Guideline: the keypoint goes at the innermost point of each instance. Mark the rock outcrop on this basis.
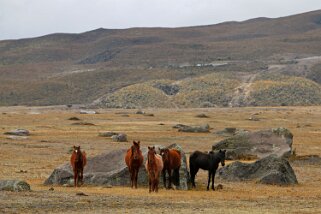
(255, 145)
(195, 129)
(269, 170)
(14, 185)
(109, 169)
(18, 132)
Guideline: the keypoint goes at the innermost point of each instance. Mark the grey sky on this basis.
(30, 18)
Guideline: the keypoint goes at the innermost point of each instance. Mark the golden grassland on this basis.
(52, 135)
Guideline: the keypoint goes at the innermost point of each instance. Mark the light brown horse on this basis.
(172, 161)
(134, 159)
(78, 161)
(154, 165)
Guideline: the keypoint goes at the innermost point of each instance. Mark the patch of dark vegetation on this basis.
(73, 118)
(101, 57)
(315, 73)
(168, 89)
(83, 124)
(202, 115)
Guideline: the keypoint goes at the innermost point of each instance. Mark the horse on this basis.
(78, 161)
(134, 159)
(208, 162)
(154, 165)
(172, 161)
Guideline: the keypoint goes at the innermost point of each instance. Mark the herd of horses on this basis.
(168, 160)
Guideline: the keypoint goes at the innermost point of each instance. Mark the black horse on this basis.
(205, 161)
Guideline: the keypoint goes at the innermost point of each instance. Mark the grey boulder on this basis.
(255, 145)
(109, 169)
(14, 185)
(269, 170)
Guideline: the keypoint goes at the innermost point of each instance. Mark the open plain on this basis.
(52, 135)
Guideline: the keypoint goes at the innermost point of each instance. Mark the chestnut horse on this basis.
(172, 161)
(134, 159)
(154, 165)
(78, 162)
(208, 162)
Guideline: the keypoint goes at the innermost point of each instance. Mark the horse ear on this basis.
(149, 148)
(153, 147)
(138, 142)
(224, 150)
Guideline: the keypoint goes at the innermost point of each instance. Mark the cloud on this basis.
(30, 18)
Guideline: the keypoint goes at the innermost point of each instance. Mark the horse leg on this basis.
(75, 178)
(176, 173)
(193, 174)
(150, 184)
(164, 177)
(213, 175)
(169, 178)
(136, 177)
(156, 184)
(132, 178)
(209, 179)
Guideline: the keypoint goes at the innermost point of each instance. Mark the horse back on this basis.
(73, 159)
(159, 162)
(175, 158)
(127, 156)
(200, 160)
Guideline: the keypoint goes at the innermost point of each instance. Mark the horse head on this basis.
(165, 154)
(151, 154)
(77, 152)
(135, 149)
(221, 154)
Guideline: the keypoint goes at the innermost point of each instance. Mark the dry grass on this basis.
(52, 135)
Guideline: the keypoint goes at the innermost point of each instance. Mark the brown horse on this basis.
(78, 162)
(134, 159)
(154, 165)
(172, 161)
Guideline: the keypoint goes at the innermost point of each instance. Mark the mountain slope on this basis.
(80, 68)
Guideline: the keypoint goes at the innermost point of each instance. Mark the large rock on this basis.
(119, 137)
(269, 170)
(255, 145)
(195, 129)
(110, 169)
(18, 132)
(14, 185)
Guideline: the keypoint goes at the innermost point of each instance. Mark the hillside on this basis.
(108, 64)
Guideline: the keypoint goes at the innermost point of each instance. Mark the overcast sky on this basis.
(31, 18)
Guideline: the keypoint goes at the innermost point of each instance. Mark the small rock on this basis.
(140, 112)
(218, 187)
(108, 186)
(149, 114)
(107, 134)
(202, 116)
(195, 129)
(51, 189)
(254, 119)
(119, 138)
(14, 185)
(87, 112)
(81, 194)
(18, 132)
